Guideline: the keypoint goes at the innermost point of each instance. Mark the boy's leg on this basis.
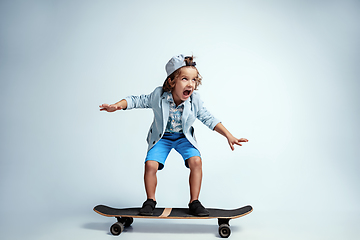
(154, 161)
(150, 179)
(195, 177)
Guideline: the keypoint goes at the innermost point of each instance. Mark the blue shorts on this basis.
(162, 148)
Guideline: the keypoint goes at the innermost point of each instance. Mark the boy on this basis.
(175, 107)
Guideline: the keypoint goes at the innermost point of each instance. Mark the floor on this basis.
(257, 225)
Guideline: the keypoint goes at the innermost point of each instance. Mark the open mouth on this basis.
(187, 93)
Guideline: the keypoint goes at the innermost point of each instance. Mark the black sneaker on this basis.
(148, 208)
(197, 209)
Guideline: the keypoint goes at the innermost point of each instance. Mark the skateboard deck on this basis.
(125, 216)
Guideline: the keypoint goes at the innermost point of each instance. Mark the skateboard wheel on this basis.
(116, 228)
(224, 230)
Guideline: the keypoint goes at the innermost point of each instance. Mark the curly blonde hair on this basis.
(169, 85)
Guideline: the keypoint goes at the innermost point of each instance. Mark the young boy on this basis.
(175, 106)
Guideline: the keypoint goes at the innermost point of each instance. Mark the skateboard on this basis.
(125, 216)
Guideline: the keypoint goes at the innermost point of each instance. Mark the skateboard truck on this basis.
(121, 223)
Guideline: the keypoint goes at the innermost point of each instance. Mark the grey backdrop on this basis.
(283, 74)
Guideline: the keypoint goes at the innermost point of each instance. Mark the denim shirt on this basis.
(156, 100)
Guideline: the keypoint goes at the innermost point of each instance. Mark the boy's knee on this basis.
(151, 166)
(194, 162)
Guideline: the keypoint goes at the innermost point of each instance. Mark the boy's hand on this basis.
(109, 108)
(233, 140)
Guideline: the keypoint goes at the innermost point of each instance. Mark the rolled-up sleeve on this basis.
(142, 101)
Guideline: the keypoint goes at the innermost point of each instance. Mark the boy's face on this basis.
(184, 84)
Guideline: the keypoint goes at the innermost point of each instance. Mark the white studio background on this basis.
(283, 74)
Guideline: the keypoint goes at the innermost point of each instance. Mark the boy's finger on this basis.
(238, 142)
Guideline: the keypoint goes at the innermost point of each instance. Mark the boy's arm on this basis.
(113, 107)
(131, 102)
(231, 139)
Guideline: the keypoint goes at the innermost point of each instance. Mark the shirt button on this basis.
(160, 135)
(153, 142)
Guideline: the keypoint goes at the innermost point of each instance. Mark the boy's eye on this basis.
(194, 80)
(184, 79)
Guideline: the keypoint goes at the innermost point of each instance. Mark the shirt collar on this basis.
(170, 99)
